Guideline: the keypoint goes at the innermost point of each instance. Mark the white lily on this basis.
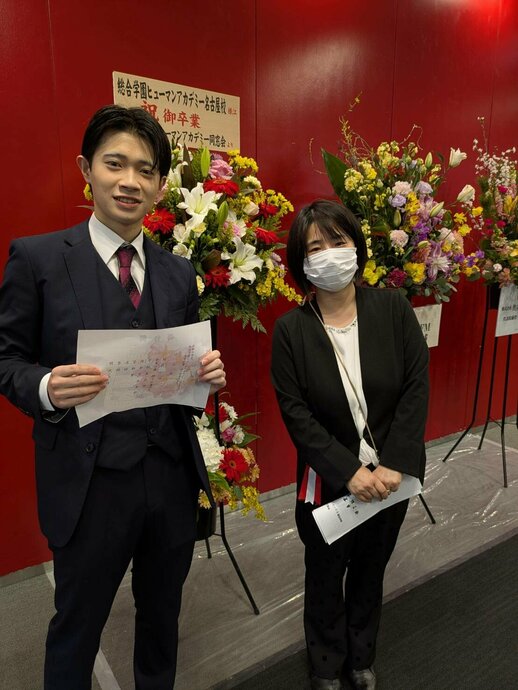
(242, 262)
(197, 203)
(182, 250)
(200, 285)
(251, 209)
(466, 194)
(238, 226)
(456, 157)
(175, 176)
(180, 233)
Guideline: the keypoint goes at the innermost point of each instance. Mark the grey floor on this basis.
(221, 639)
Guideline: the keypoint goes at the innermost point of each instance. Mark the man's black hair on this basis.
(137, 121)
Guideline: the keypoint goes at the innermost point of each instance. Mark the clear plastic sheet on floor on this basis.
(220, 636)
(219, 633)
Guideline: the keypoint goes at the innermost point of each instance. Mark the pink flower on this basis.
(504, 277)
(228, 434)
(398, 238)
(220, 168)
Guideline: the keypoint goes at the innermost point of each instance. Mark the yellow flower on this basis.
(352, 179)
(476, 211)
(368, 171)
(241, 162)
(279, 200)
(459, 218)
(379, 201)
(469, 270)
(415, 271)
(250, 501)
(87, 192)
(274, 284)
(463, 230)
(200, 284)
(373, 273)
(412, 203)
(509, 204)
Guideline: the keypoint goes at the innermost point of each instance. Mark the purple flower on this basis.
(423, 188)
(397, 200)
(426, 206)
(421, 231)
(436, 261)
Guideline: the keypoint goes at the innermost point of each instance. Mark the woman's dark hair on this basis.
(333, 221)
(115, 118)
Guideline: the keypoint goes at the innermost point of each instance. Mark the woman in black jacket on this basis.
(350, 370)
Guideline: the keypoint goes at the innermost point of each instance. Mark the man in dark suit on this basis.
(124, 487)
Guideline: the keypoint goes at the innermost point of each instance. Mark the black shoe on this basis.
(326, 683)
(363, 680)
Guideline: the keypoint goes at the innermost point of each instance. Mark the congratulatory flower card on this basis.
(145, 368)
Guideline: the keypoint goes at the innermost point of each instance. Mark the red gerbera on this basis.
(219, 276)
(221, 185)
(266, 210)
(161, 220)
(233, 464)
(266, 236)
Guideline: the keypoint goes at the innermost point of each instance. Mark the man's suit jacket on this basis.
(312, 399)
(50, 292)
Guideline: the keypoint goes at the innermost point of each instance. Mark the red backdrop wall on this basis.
(296, 66)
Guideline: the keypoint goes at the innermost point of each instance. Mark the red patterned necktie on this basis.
(125, 255)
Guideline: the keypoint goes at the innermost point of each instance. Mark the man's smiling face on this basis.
(123, 181)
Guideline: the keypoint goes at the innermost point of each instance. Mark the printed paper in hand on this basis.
(341, 516)
(145, 368)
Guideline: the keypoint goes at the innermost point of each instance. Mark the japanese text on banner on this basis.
(190, 116)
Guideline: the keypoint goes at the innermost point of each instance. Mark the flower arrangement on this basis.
(216, 213)
(497, 179)
(415, 242)
(231, 464)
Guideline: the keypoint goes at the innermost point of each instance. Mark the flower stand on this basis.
(491, 304)
(206, 528)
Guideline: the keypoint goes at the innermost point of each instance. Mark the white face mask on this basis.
(331, 269)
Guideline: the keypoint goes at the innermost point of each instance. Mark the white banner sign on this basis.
(194, 117)
(507, 316)
(429, 318)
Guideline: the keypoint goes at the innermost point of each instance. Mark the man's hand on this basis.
(212, 371)
(366, 485)
(74, 384)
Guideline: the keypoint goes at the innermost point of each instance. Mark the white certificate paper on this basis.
(145, 368)
(341, 516)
